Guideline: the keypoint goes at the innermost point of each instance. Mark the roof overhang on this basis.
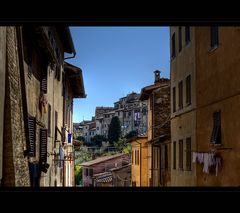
(74, 74)
(66, 39)
(146, 91)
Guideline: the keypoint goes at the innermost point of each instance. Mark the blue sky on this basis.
(116, 61)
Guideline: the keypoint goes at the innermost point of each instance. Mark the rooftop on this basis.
(101, 159)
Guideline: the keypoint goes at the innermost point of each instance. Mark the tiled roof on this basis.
(101, 159)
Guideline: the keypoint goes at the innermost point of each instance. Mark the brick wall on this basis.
(15, 166)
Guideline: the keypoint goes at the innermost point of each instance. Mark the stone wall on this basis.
(15, 166)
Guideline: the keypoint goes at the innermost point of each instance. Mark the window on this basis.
(32, 136)
(180, 95)
(188, 154)
(180, 163)
(187, 35)
(174, 99)
(216, 133)
(188, 90)
(173, 46)
(43, 145)
(180, 38)
(214, 37)
(49, 120)
(86, 171)
(174, 155)
(91, 172)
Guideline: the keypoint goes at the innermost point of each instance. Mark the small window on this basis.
(180, 163)
(174, 99)
(180, 95)
(216, 132)
(173, 46)
(188, 90)
(91, 172)
(214, 37)
(180, 38)
(86, 171)
(187, 35)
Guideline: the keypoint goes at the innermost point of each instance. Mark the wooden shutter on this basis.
(44, 84)
(32, 136)
(43, 145)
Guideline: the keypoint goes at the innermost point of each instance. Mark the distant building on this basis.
(101, 165)
(159, 149)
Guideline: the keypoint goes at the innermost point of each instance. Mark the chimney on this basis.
(157, 76)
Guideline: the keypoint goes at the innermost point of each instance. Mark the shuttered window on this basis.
(43, 145)
(216, 132)
(44, 84)
(32, 136)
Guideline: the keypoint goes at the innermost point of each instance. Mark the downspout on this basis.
(64, 112)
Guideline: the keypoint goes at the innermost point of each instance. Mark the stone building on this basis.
(34, 109)
(159, 155)
(206, 60)
(132, 113)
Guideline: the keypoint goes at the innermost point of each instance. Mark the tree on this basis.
(98, 139)
(114, 130)
(131, 134)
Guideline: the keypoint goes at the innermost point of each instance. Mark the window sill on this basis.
(213, 48)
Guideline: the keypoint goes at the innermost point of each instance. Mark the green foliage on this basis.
(123, 146)
(114, 130)
(97, 140)
(127, 149)
(80, 138)
(131, 134)
(78, 174)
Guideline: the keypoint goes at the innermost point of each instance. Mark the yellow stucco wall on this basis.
(139, 172)
(218, 88)
(183, 122)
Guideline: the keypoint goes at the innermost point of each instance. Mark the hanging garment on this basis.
(218, 163)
